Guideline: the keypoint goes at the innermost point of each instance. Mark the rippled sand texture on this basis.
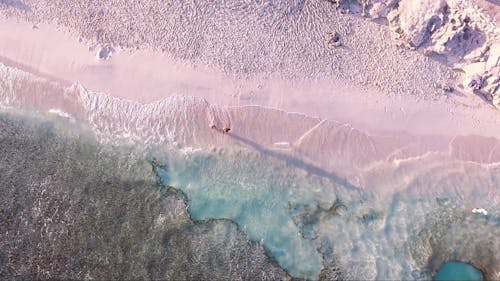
(291, 37)
(353, 161)
(252, 37)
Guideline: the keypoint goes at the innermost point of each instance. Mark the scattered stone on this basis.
(445, 87)
(105, 53)
(333, 38)
(475, 83)
(448, 88)
(337, 3)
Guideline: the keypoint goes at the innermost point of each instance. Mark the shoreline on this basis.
(125, 73)
(185, 121)
(302, 141)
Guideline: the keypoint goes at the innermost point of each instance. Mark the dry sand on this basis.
(367, 115)
(363, 109)
(148, 76)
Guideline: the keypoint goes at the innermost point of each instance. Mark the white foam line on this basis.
(60, 113)
(299, 141)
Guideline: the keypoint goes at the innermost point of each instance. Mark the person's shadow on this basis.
(298, 163)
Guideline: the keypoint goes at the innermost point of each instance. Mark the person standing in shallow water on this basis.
(224, 130)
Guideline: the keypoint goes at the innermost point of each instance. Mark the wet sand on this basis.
(148, 76)
(369, 123)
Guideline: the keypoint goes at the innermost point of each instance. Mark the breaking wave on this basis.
(324, 199)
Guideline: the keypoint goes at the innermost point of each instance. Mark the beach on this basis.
(393, 120)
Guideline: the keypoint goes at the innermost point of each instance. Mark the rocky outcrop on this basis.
(457, 33)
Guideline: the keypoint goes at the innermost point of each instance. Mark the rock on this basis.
(494, 56)
(496, 101)
(333, 40)
(417, 19)
(378, 10)
(491, 86)
(472, 69)
(475, 83)
(485, 83)
(105, 53)
(480, 211)
(456, 31)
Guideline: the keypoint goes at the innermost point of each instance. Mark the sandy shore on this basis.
(147, 76)
(368, 118)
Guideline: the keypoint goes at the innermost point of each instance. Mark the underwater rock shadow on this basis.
(100, 215)
(298, 163)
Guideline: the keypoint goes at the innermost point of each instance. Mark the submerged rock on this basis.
(443, 239)
(74, 209)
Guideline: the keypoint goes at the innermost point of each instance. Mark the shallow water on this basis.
(72, 208)
(405, 221)
(261, 195)
(306, 221)
(459, 271)
(86, 209)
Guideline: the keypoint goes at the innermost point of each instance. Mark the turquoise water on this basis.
(309, 223)
(459, 271)
(314, 223)
(264, 197)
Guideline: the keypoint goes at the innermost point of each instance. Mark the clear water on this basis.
(89, 211)
(309, 223)
(259, 197)
(459, 271)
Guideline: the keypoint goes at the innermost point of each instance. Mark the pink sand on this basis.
(326, 123)
(147, 76)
